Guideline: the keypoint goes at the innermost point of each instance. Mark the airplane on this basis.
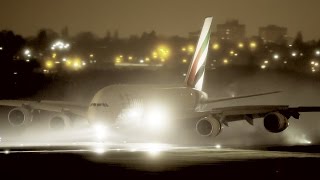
(144, 106)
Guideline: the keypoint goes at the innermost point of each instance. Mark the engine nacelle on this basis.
(19, 116)
(208, 126)
(59, 122)
(275, 122)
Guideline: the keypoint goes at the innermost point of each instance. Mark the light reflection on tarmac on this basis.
(199, 153)
(153, 160)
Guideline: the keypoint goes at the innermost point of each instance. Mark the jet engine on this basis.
(208, 126)
(19, 116)
(275, 122)
(59, 122)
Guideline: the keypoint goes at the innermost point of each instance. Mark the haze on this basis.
(165, 17)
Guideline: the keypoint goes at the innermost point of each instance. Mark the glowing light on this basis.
(91, 55)
(99, 150)
(266, 62)
(27, 60)
(54, 55)
(49, 64)
(141, 61)
(155, 149)
(276, 56)
(253, 45)
(7, 152)
(130, 57)
(154, 55)
(27, 52)
(133, 150)
(215, 46)
(218, 146)
(134, 113)
(191, 48)
(68, 63)
(76, 64)
(317, 52)
(184, 61)
(312, 62)
(60, 45)
(285, 62)
(316, 64)
(118, 60)
(293, 54)
(147, 59)
(240, 45)
(1, 48)
(100, 131)
(64, 59)
(225, 61)
(163, 51)
(263, 66)
(231, 52)
(183, 49)
(156, 117)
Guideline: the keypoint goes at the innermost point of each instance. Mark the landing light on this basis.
(156, 117)
(135, 113)
(100, 131)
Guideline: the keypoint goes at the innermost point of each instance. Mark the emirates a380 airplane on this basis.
(138, 106)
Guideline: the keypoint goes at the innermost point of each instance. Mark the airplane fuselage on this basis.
(117, 104)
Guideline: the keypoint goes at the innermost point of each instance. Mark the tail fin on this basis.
(195, 76)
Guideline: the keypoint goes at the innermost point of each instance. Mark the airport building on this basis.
(231, 30)
(273, 34)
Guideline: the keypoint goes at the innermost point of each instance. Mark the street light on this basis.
(253, 45)
(215, 46)
(240, 45)
(60, 45)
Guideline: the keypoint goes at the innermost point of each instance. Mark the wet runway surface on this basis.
(158, 161)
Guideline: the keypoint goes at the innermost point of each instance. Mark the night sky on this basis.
(166, 17)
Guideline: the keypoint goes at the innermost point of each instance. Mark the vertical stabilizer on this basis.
(195, 75)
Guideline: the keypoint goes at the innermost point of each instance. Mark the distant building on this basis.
(231, 31)
(273, 33)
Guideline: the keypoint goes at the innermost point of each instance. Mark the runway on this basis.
(146, 160)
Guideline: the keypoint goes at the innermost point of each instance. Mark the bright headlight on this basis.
(100, 131)
(156, 117)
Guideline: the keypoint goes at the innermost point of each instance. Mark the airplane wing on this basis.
(237, 97)
(249, 113)
(53, 106)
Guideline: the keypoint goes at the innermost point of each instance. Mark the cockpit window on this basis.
(99, 104)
